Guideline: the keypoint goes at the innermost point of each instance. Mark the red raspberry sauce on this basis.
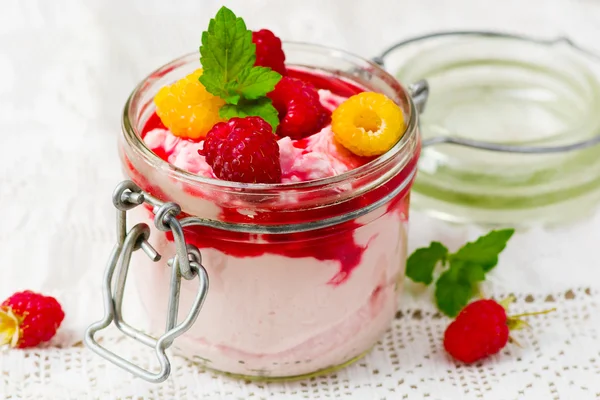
(335, 243)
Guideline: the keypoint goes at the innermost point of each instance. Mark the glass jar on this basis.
(304, 277)
(497, 103)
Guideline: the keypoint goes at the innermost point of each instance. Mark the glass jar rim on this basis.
(134, 139)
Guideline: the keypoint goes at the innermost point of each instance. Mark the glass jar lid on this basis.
(510, 128)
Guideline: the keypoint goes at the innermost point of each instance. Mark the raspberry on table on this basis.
(479, 330)
(482, 329)
(299, 106)
(268, 51)
(28, 319)
(243, 150)
(187, 109)
(368, 124)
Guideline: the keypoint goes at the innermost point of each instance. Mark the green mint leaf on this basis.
(468, 272)
(456, 286)
(485, 250)
(227, 55)
(260, 108)
(231, 94)
(210, 80)
(452, 293)
(256, 82)
(252, 84)
(422, 262)
(226, 50)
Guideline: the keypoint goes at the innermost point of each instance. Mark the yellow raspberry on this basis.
(368, 124)
(187, 108)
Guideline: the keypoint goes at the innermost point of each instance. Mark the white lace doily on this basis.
(66, 68)
(559, 359)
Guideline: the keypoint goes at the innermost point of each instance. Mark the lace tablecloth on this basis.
(66, 68)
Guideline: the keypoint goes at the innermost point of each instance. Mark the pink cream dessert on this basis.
(307, 298)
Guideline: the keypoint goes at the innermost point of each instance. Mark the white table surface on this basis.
(66, 68)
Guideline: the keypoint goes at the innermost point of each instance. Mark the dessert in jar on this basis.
(295, 161)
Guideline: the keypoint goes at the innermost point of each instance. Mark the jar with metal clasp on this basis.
(261, 281)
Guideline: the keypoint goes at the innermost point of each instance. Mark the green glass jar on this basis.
(514, 105)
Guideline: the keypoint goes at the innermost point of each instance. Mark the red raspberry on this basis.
(300, 111)
(482, 329)
(28, 319)
(243, 150)
(268, 51)
(478, 331)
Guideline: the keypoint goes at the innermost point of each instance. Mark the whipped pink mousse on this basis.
(315, 157)
(276, 308)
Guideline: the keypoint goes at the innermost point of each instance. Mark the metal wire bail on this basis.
(187, 263)
(419, 92)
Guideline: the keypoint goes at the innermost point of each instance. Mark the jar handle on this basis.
(187, 263)
(419, 92)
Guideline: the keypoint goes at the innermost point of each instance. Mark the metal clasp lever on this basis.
(186, 263)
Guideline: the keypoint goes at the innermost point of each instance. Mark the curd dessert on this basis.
(266, 135)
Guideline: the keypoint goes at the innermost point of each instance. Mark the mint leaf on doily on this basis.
(461, 272)
(456, 286)
(421, 263)
(485, 250)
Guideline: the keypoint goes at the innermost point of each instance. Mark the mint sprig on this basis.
(461, 272)
(227, 55)
(485, 250)
(422, 262)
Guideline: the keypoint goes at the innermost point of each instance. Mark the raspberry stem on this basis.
(506, 302)
(532, 313)
(515, 322)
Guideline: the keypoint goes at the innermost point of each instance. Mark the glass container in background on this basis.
(520, 95)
